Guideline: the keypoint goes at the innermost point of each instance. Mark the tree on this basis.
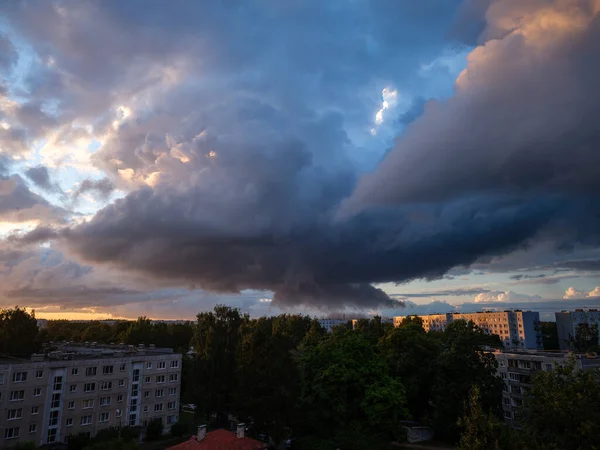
(25, 445)
(461, 364)
(563, 409)
(18, 332)
(346, 385)
(586, 338)
(154, 430)
(115, 444)
(140, 332)
(549, 335)
(483, 430)
(178, 429)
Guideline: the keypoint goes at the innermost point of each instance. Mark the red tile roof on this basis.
(219, 440)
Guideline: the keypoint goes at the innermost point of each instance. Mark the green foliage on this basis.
(154, 430)
(483, 430)
(586, 338)
(18, 332)
(346, 383)
(549, 335)
(563, 410)
(78, 441)
(462, 364)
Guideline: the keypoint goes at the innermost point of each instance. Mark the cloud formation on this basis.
(242, 145)
(572, 293)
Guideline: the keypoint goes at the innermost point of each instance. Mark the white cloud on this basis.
(507, 296)
(572, 293)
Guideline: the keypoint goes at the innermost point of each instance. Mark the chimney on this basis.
(241, 427)
(201, 432)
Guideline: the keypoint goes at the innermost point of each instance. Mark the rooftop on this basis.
(219, 440)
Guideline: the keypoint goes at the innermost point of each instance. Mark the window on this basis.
(173, 378)
(53, 418)
(17, 395)
(121, 383)
(52, 435)
(39, 373)
(145, 408)
(122, 368)
(147, 380)
(90, 371)
(171, 419)
(506, 401)
(158, 407)
(86, 420)
(14, 414)
(133, 405)
(73, 388)
(136, 375)
(32, 428)
(75, 371)
(148, 365)
(171, 405)
(119, 398)
(107, 370)
(162, 365)
(174, 364)
(19, 377)
(89, 387)
(507, 415)
(35, 410)
(514, 376)
(106, 385)
(159, 393)
(134, 390)
(69, 422)
(160, 379)
(104, 401)
(104, 417)
(1, 378)
(57, 383)
(548, 366)
(55, 403)
(172, 391)
(37, 392)
(71, 405)
(89, 403)
(11, 433)
(146, 394)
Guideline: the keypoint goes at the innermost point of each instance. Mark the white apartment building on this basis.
(83, 389)
(516, 329)
(517, 368)
(329, 324)
(567, 323)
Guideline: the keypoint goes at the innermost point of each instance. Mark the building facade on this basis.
(567, 323)
(516, 370)
(516, 329)
(83, 389)
(329, 324)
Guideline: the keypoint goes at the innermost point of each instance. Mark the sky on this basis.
(342, 157)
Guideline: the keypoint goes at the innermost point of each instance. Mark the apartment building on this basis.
(516, 329)
(517, 368)
(83, 389)
(329, 324)
(567, 323)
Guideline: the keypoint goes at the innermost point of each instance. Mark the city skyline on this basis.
(386, 157)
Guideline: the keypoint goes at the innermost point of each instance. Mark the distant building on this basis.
(567, 323)
(84, 389)
(517, 368)
(516, 329)
(329, 324)
(219, 440)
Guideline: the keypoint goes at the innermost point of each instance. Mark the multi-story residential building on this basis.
(517, 368)
(567, 323)
(329, 324)
(516, 329)
(83, 389)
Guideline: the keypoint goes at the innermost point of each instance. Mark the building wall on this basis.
(108, 403)
(567, 323)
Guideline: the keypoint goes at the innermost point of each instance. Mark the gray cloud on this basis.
(444, 293)
(103, 188)
(19, 204)
(41, 177)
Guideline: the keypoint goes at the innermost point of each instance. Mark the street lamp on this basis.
(119, 414)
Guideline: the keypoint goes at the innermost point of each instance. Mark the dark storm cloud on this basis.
(103, 188)
(41, 177)
(19, 204)
(444, 293)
